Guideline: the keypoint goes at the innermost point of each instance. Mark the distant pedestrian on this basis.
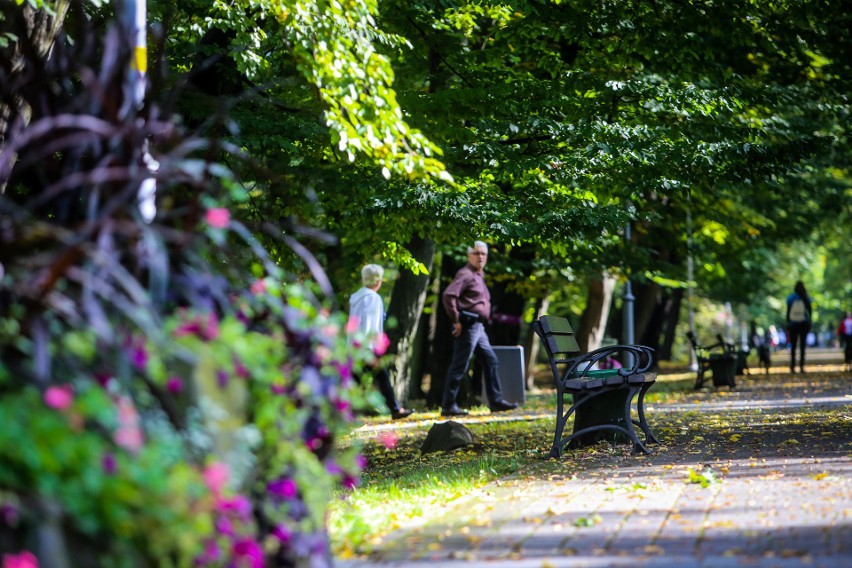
(367, 314)
(799, 316)
(844, 333)
(468, 303)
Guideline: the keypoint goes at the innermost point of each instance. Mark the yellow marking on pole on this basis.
(141, 59)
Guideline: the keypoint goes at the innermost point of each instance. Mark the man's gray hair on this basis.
(371, 274)
(477, 244)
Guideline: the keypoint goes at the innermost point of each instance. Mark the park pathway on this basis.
(779, 497)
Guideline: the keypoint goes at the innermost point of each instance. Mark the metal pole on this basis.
(629, 299)
(134, 14)
(729, 322)
(133, 19)
(690, 277)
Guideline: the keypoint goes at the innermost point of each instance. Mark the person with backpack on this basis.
(798, 324)
(844, 333)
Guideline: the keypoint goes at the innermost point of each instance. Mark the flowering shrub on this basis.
(252, 470)
(160, 406)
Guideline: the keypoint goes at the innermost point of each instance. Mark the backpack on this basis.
(798, 311)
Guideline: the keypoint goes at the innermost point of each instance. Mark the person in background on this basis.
(798, 324)
(844, 334)
(367, 315)
(467, 302)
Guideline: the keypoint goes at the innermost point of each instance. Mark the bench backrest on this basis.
(704, 351)
(558, 337)
(568, 362)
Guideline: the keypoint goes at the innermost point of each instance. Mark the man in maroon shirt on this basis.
(468, 303)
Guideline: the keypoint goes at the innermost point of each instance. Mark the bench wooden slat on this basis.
(559, 335)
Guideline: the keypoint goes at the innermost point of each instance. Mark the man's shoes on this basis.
(401, 413)
(454, 410)
(503, 405)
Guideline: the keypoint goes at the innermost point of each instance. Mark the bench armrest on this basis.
(581, 366)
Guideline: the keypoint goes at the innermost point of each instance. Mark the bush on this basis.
(167, 398)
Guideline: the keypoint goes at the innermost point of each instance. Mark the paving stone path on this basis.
(783, 500)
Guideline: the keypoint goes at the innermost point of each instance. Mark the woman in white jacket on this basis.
(367, 315)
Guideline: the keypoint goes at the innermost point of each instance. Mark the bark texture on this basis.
(405, 307)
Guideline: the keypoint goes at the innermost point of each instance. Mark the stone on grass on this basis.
(446, 436)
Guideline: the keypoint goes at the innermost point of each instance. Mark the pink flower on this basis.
(216, 476)
(109, 464)
(241, 370)
(381, 344)
(174, 385)
(284, 488)
(258, 287)
(60, 397)
(25, 559)
(211, 553)
(128, 435)
(139, 355)
(206, 330)
(225, 527)
(345, 370)
(388, 440)
(218, 218)
(282, 533)
(239, 504)
(104, 379)
(352, 324)
(248, 553)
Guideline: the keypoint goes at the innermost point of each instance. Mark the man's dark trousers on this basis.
(473, 340)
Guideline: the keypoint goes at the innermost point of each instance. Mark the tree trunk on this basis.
(646, 316)
(671, 316)
(442, 339)
(406, 305)
(592, 326)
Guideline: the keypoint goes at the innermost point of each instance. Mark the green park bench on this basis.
(601, 400)
(718, 358)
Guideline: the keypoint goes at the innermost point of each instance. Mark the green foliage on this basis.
(705, 478)
(167, 389)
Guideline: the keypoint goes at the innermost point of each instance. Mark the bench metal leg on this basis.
(556, 449)
(631, 431)
(642, 422)
(624, 416)
(699, 379)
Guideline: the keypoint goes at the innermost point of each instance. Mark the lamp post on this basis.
(690, 277)
(629, 299)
